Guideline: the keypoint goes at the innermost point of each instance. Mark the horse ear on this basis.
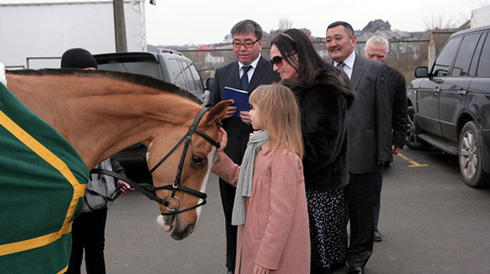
(217, 112)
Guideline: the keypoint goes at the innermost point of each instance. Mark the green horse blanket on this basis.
(42, 183)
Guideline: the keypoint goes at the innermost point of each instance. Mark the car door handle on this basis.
(461, 92)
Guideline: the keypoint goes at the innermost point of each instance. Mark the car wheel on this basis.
(470, 160)
(413, 141)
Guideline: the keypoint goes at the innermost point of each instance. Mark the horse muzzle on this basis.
(172, 224)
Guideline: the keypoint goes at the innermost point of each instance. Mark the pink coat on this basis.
(276, 231)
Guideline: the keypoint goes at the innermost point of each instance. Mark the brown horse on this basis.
(100, 113)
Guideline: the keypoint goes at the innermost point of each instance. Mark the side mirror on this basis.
(205, 96)
(421, 72)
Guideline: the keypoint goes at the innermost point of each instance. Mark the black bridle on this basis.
(149, 191)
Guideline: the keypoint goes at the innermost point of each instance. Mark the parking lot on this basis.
(431, 223)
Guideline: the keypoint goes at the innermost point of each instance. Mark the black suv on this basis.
(167, 65)
(449, 108)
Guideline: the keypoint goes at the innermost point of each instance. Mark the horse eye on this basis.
(198, 161)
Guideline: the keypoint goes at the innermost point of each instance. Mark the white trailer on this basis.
(35, 33)
(480, 17)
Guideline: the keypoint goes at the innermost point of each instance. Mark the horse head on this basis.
(181, 181)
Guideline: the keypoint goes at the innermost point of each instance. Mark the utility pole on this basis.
(120, 26)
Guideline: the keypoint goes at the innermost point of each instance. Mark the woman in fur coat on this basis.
(324, 96)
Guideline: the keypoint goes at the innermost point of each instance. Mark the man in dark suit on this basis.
(247, 73)
(369, 138)
(377, 48)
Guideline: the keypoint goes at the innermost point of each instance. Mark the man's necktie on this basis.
(341, 66)
(244, 79)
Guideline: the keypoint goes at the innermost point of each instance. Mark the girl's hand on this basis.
(223, 139)
(260, 270)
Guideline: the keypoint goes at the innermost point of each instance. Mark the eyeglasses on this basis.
(247, 43)
(277, 60)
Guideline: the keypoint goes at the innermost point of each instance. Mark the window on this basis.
(465, 55)
(187, 72)
(484, 65)
(175, 71)
(196, 78)
(441, 66)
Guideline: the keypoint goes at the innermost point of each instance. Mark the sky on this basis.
(204, 22)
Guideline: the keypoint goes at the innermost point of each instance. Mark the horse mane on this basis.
(138, 79)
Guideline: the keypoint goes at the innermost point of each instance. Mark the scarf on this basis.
(244, 185)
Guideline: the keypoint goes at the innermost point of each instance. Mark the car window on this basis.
(188, 75)
(484, 65)
(175, 70)
(476, 56)
(465, 55)
(144, 68)
(196, 78)
(441, 66)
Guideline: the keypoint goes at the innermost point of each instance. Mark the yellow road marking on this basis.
(413, 163)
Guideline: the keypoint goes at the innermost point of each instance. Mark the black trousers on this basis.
(88, 233)
(227, 192)
(360, 202)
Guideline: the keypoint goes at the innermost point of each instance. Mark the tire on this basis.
(470, 157)
(413, 141)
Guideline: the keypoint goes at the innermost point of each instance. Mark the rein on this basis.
(149, 191)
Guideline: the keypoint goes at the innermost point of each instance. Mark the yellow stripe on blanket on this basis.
(57, 163)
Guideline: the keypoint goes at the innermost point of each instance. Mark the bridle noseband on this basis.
(149, 191)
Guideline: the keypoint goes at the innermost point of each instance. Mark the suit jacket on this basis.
(238, 132)
(399, 89)
(370, 129)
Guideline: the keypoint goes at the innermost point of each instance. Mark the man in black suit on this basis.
(377, 48)
(369, 137)
(247, 73)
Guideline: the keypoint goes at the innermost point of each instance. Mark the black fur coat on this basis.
(323, 106)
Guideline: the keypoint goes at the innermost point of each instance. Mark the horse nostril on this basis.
(173, 203)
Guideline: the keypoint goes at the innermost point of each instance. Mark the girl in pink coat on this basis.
(270, 206)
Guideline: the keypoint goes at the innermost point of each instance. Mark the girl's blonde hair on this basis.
(280, 115)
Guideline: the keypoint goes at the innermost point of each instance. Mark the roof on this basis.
(462, 32)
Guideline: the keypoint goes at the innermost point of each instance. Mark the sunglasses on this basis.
(277, 60)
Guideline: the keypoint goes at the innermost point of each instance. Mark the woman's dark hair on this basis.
(294, 41)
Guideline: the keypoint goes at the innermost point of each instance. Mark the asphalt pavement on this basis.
(430, 221)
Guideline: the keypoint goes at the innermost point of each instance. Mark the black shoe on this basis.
(377, 236)
(355, 270)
